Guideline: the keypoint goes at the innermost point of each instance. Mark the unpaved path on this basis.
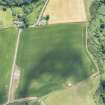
(24, 99)
(13, 68)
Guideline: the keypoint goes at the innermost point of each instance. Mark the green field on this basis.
(51, 57)
(7, 45)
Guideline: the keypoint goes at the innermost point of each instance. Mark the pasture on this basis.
(51, 57)
(7, 46)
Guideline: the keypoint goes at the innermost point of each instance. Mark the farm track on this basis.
(41, 13)
(36, 23)
(13, 67)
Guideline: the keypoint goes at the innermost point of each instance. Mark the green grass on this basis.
(7, 45)
(50, 56)
(81, 93)
(6, 19)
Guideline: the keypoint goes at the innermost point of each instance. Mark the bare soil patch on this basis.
(63, 11)
(16, 79)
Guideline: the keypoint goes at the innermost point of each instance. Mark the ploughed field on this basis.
(51, 58)
(7, 46)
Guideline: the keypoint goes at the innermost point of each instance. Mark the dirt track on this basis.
(62, 11)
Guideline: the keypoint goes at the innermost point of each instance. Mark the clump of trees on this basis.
(15, 2)
(96, 31)
(96, 43)
(26, 7)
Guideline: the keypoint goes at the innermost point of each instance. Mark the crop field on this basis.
(7, 45)
(64, 11)
(51, 57)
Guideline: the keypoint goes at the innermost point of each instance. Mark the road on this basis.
(25, 99)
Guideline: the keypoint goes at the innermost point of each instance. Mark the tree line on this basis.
(96, 43)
